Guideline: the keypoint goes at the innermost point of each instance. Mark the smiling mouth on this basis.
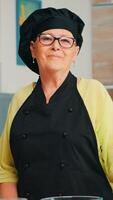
(55, 56)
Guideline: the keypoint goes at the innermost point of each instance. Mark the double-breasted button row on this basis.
(62, 165)
(24, 136)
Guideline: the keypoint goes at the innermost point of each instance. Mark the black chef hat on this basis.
(45, 19)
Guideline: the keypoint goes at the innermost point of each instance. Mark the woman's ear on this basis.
(77, 50)
(75, 53)
(32, 48)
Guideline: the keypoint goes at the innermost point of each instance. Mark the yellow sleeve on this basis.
(104, 132)
(100, 108)
(8, 171)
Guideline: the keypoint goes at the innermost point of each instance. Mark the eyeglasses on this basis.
(47, 39)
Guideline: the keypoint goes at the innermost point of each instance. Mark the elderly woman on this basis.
(58, 136)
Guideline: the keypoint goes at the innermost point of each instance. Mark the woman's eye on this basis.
(46, 39)
(65, 41)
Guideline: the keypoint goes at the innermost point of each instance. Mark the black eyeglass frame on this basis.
(58, 39)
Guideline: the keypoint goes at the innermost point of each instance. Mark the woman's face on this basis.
(54, 57)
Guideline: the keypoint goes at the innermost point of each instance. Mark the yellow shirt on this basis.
(100, 108)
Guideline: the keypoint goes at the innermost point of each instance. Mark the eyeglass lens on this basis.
(65, 42)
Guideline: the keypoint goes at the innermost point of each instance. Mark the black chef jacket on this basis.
(54, 146)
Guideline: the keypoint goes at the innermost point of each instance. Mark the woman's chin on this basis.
(54, 68)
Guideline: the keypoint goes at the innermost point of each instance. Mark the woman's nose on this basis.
(56, 45)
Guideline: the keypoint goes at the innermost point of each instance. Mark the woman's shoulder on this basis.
(91, 86)
(94, 94)
(21, 95)
(89, 82)
(25, 90)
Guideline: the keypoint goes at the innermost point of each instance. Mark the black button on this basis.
(27, 194)
(24, 136)
(70, 110)
(27, 165)
(65, 134)
(26, 112)
(62, 165)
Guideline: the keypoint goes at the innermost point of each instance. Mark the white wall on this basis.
(12, 77)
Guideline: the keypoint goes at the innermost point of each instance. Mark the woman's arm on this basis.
(8, 190)
(8, 172)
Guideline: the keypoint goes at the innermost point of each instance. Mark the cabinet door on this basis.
(102, 1)
(102, 45)
(111, 92)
